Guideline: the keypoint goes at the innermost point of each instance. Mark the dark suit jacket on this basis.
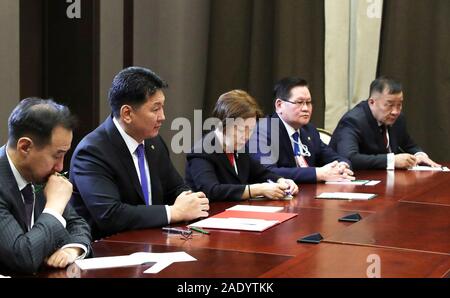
(213, 174)
(22, 250)
(281, 159)
(107, 191)
(357, 137)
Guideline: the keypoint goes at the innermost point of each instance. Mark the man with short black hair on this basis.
(373, 134)
(37, 225)
(296, 150)
(122, 173)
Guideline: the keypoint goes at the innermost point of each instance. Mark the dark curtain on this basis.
(415, 49)
(254, 43)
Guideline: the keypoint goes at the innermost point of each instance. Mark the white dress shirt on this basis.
(132, 145)
(390, 158)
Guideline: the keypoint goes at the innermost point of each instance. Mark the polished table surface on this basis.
(419, 227)
(210, 263)
(407, 226)
(333, 260)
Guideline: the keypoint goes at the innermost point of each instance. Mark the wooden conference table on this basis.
(406, 228)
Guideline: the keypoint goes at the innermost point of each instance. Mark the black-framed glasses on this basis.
(308, 103)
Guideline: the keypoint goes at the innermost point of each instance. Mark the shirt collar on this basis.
(290, 129)
(131, 143)
(21, 182)
(221, 138)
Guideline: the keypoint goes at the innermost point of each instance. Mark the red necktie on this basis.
(231, 158)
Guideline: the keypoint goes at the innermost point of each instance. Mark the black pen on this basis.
(401, 150)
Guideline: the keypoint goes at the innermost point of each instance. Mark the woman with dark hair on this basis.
(218, 164)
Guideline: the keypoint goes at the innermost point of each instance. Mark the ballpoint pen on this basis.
(286, 193)
(199, 230)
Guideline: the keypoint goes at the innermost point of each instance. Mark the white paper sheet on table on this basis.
(246, 224)
(256, 208)
(427, 168)
(346, 196)
(162, 260)
(355, 182)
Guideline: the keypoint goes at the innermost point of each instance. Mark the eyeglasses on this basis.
(185, 233)
(308, 103)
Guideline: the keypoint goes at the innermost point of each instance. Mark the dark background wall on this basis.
(204, 48)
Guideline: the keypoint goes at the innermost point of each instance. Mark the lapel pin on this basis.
(309, 139)
(153, 147)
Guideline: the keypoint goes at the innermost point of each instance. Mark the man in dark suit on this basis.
(37, 226)
(122, 174)
(289, 145)
(373, 134)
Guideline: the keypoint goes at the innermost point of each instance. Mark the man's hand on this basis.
(422, 158)
(404, 161)
(273, 191)
(63, 257)
(291, 185)
(189, 206)
(334, 171)
(57, 192)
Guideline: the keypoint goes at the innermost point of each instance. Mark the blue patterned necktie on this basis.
(28, 198)
(295, 136)
(144, 181)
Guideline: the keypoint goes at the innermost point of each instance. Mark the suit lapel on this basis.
(222, 157)
(38, 205)
(373, 123)
(123, 153)
(223, 160)
(12, 194)
(243, 169)
(285, 143)
(306, 139)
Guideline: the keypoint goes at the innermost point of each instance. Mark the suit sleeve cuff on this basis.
(418, 153)
(390, 161)
(84, 248)
(57, 215)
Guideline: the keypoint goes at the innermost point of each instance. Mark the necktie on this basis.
(28, 198)
(144, 181)
(231, 158)
(295, 136)
(385, 138)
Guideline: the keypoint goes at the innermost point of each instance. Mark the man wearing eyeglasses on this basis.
(295, 150)
(373, 134)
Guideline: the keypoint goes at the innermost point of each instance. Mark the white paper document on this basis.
(427, 168)
(246, 224)
(355, 182)
(162, 260)
(255, 208)
(346, 196)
